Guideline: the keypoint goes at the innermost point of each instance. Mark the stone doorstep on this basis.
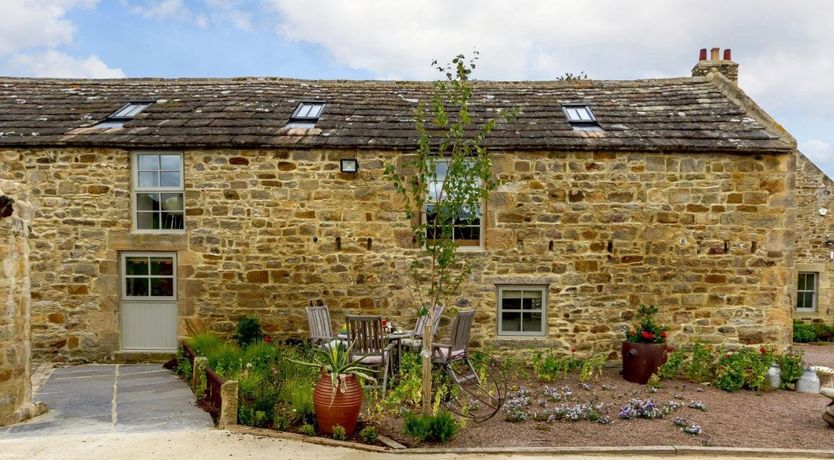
(625, 451)
(138, 357)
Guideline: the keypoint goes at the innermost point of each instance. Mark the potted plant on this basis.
(644, 350)
(338, 394)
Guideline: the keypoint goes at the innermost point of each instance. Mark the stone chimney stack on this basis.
(726, 66)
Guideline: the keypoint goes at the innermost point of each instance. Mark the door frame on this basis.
(123, 298)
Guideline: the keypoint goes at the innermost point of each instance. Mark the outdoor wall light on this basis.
(349, 165)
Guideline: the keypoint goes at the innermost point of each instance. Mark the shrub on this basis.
(225, 359)
(792, 367)
(592, 367)
(307, 430)
(745, 368)
(339, 432)
(248, 331)
(824, 332)
(203, 343)
(647, 330)
(673, 366)
(803, 333)
(701, 366)
(435, 428)
(369, 434)
(184, 366)
(549, 366)
(260, 355)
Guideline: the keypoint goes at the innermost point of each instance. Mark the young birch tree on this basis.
(443, 187)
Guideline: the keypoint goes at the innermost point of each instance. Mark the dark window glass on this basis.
(137, 287)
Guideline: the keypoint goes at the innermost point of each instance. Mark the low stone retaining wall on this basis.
(220, 394)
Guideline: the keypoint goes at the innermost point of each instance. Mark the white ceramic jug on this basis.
(809, 382)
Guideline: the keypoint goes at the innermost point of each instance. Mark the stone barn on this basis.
(168, 206)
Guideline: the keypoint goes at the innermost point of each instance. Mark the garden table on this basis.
(395, 337)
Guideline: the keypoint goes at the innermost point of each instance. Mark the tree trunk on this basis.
(427, 352)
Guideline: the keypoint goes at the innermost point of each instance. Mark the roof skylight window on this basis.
(306, 115)
(125, 113)
(580, 117)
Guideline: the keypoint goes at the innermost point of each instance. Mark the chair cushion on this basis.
(370, 359)
(412, 343)
(443, 353)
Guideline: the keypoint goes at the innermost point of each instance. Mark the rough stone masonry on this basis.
(15, 384)
(706, 237)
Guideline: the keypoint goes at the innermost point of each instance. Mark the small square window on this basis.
(522, 310)
(581, 117)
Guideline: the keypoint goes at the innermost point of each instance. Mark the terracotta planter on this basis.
(641, 360)
(344, 409)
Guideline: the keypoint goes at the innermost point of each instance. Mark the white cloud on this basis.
(215, 12)
(785, 49)
(55, 64)
(821, 153)
(160, 9)
(36, 23)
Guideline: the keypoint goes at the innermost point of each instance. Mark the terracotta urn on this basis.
(641, 360)
(343, 409)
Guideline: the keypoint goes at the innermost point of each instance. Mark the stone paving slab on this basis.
(96, 398)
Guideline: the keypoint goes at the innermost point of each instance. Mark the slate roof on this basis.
(684, 114)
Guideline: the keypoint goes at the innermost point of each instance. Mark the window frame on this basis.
(581, 125)
(481, 225)
(544, 289)
(296, 117)
(814, 292)
(115, 121)
(135, 190)
(123, 275)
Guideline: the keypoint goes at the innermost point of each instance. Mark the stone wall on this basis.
(706, 237)
(15, 371)
(815, 234)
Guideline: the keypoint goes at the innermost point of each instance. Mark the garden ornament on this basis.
(828, 414)
(774, 376)
(809, 382)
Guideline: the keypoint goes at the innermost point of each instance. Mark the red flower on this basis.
(648, 335)
(573, 350)
(664, 334)
(762, 349)
(268, 338)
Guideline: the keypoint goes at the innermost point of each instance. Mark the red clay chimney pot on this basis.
(728, 54)
(703, 55)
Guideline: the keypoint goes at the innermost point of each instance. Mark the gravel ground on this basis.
(819, 355)
(780, 419)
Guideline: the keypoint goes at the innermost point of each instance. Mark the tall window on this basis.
(522, 310)
(149, 276)
(467, 226)
(159, 203)
(806, 291)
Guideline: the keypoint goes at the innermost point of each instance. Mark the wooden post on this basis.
(228, 404)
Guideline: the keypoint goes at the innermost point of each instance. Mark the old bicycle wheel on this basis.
(474, 386)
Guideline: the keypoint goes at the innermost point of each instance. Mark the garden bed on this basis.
(778, 419)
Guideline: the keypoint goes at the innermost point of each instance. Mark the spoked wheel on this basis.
(475, 386)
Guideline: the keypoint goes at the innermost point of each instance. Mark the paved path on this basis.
(112, 398)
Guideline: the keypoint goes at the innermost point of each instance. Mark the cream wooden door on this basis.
(149, 301)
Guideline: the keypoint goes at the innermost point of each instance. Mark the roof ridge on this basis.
(215, 80)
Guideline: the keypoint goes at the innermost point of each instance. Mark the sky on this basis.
(785, 48)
